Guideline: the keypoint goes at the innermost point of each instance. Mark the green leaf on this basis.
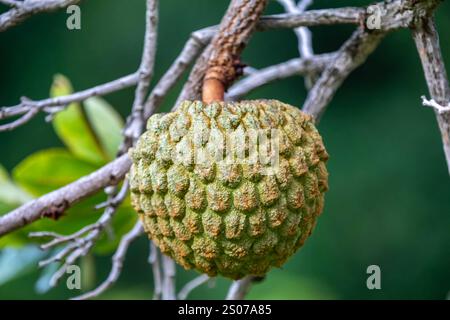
(47, 170)
(72, 126)
(11, 195)
(17, 262)
(107, 124)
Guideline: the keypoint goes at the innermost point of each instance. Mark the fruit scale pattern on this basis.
(230, 218)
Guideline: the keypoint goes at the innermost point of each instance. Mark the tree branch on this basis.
(154, 261)
(427, 42)
(347, 15)
(304, 35)
(242, 17)
(55, 203)
(239, 289)
(135, 122)
(352, 54)
(223, 65)
(30, 108)
(191, 285)
(168, 284)
(117, 262)
(26, 8)
(259, 78)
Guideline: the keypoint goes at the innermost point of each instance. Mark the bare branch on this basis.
(168, 285)
(303, 34)
(135, 122)
(192, 285)
(26, 8)
(239, 289)
(348, 15)
(259, 78)
(427, 42)
(352, 54)
(431, 103)
(154, 261)
(235, 29)
(28, 106)
(55, 203)
(117, 262)
(20, 121)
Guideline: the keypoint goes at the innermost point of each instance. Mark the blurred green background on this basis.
(389, 198)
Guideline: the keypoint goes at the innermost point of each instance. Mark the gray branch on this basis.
(154, 261)
(310, 18)
(53, 204)
(168, 285)
(261, 77)
(239, 289)
(352, 54)
(304, 35)
(117, 262)
(135, 123)
(30, 108)
(26, 8)
(427, 42)
(192, 285)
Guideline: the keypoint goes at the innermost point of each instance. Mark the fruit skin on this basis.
(228, 218)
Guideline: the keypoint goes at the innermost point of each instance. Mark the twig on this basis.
(20, 121)
(239, 289)
(154, 261)
(431, 103)
(29, 106)
(117, 262)
(303, 34)
(191, 285)
(135, 122)
(99, 225)
(56, 202)
(261, 77)
(310, 18)
(82, 241)
(27, 8)
(168, 285)
(427, 42)
(352, 54)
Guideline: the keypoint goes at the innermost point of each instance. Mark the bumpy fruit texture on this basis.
(230, 218)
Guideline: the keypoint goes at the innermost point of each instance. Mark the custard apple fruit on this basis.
(208, 199)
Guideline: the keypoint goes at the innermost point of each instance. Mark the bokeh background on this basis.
(389, 198)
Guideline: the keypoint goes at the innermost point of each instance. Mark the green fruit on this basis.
(233, 216)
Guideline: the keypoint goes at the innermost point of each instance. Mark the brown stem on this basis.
(223, 65)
